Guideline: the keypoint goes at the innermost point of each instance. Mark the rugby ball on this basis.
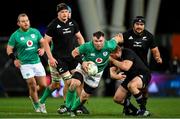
(92, 69)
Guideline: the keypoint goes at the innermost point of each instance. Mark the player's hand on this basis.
(41, 51)
(17, 63)
(85, 66)
(53, 62)
(159, 60)
(119, 38)
(121, 76)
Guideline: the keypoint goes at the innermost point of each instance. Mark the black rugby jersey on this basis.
(139, 44)
(63, 37)
(138, 67)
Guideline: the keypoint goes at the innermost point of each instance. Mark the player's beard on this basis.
(138, 31)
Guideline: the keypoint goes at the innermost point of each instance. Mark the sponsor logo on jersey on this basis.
(105, 53)
(144, 38)
(71, 24)
(58, 26)
(99, 60)
(92, 54)
(29, 43)
(67, 30)
(21, 38)
(130, 38)
(32, 35)
(137, 44)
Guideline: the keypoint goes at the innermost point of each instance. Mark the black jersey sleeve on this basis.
(128, 54)
(151, 39)
(51, 28)
(76, 26)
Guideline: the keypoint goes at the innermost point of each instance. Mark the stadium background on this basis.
(166, 77)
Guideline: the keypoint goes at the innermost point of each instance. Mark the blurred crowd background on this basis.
(162, 19)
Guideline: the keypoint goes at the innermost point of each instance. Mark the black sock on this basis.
(127, 104)
(140, 100)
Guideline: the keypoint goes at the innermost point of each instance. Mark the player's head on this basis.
(62, 6)
(116, 53)
(23, 21)
(98, 40)
(138, 24)
(63, 12)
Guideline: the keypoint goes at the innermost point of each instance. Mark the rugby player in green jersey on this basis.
(27, 41)
(97, 50)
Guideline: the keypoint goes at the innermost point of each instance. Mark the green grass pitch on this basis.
(104, 107)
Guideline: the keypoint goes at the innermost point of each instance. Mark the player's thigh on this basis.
(55, 76)
(136, 82)
(41, 81)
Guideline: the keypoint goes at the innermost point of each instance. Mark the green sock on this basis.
(36, 105)
(74, 98)
(76, 104)
(46, 93)
(70, 98)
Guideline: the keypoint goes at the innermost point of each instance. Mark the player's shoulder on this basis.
(53, 22)
(33, 29)
(87, 45)
(147, 33)
(128, 33)
(72, 22)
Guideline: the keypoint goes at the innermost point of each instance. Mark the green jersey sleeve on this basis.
(111, 44)
(12, 41)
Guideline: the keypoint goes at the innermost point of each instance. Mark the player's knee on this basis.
(118, 100)
(74, 84)
(42, 85)
(132, 86)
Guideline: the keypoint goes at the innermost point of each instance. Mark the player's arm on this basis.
(156, 55)
(80, 38)
(118, 38)
(41, 49)
(11, 55)
(77, 56)
(124, 65)
(115, 75)
(52, 60)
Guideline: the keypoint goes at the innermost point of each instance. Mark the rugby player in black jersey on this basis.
(63, 32)
(140, 41)
(137, 78)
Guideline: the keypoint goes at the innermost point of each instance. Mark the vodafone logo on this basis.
(29, 43)
(99, 60)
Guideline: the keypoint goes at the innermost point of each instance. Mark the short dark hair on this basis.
(62, 6)
(116, 49)
(139, 19)
(21, 15)
(98, 34)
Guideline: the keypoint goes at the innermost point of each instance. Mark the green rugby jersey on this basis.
(100, 57)
(26, 45)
